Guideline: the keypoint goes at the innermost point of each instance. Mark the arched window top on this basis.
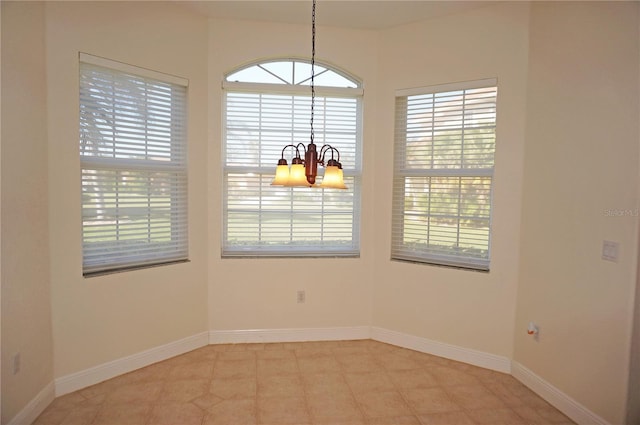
(292, 72)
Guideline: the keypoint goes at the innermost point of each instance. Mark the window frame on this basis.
(401, 250)
(352, 174)
(161, 172)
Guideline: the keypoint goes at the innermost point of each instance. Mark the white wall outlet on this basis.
(301, 297)
(15, 363)
(534, 331)
(610, 251)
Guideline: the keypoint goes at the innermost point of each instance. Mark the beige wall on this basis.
(261, 293)
(581, 161)
(26, 295)
(464, 308)
(633, 394)
(105, 318)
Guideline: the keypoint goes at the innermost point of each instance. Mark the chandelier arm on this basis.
(304, 148)
(293, 146)
(323, 152)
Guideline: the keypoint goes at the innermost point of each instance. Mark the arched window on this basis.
(292, 72)
(267, 106)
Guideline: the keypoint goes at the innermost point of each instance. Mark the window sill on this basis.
(132, 268)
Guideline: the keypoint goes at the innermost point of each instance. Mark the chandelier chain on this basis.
(313, 61)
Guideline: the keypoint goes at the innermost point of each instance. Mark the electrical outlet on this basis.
(610, 251)
(301, 297)
(16, 363)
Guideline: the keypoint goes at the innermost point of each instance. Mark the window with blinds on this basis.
(134, 166)
(267, 106)
(443, 174)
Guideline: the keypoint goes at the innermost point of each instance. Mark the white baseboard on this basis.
(36, 406)
(574, 410)
(441, 349)
(289, 335)
(474, 357)
(94, 375)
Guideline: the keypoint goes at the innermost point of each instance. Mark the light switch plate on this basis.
(610, 251)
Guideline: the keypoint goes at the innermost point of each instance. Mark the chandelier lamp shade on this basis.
(304, 168)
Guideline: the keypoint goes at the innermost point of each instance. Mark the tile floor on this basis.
(334, 382)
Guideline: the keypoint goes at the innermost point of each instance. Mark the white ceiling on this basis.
(358, 14)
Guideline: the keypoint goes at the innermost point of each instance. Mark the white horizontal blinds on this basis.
(265, 220)
(260, 125)
(443, 170)
(268, 220)
(134, 169)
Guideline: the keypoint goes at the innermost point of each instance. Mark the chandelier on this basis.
(303, 172)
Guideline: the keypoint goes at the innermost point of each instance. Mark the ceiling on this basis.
(357, 14)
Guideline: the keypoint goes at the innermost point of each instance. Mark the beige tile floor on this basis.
(334, 382)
